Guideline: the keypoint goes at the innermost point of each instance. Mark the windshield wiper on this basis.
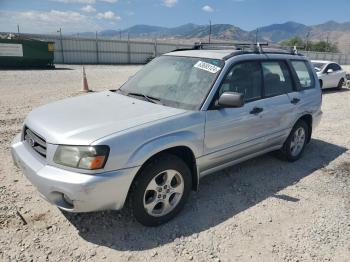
(151, 99)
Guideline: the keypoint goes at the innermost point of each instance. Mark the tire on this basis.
(340, 84)
(321, 84)
(289, 152)
(155, 198)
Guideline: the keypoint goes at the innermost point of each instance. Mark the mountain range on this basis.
(338, 33)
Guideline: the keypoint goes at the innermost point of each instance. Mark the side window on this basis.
(277, 79)
(332, 66)
(305, 77)
(336, 67)
(327, 68)
(244, 78)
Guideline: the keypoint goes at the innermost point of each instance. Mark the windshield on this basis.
(319, 66)
(181, 82)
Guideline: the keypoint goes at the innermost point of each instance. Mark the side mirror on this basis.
(231, 100)
(330, 71)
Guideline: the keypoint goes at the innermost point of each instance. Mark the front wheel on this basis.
(160, 191)
(295, 144)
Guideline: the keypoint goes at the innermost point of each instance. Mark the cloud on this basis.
(169, 3)
(109, 15)
(46, 21)
(75, 1)
(208, 9)
(109, 1)
(53, 15)
(88, 9)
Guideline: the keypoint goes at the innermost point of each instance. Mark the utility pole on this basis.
(60, 31)
(327, 46)
(256, 35)
(209, 31)
(120, 34)
(18, 30)
(307, 41)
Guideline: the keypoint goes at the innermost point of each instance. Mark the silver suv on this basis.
(185, 115)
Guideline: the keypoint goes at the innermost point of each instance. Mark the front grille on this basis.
(35, 141)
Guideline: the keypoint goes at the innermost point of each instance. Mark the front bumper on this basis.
(72, 191)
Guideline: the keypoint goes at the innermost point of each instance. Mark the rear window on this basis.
(305, 77)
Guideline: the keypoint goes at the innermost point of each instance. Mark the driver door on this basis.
(331, 78)
(232, 133)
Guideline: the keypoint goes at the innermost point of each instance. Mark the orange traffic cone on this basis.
(85, 82)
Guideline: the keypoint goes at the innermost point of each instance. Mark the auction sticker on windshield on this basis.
(207, 67)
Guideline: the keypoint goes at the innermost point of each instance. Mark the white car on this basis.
(330, 74)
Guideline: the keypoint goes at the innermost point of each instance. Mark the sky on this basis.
(47, 16)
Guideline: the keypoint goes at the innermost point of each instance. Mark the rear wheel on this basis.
(295, 144)
(341, 83)
(161, 190)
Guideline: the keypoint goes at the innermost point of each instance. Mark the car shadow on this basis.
(34, 68)
(221, 196)
(334, 90)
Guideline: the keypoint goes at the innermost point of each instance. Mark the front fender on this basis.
(182, 138)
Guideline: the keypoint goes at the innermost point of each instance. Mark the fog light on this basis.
(67, 200)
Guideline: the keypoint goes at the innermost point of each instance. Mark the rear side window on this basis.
(305, 77)
(277, 79)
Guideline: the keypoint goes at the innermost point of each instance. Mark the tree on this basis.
(319, 46)
(323, 46)
(294, 41)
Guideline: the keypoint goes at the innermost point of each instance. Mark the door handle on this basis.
(256, 110)
(295, 101)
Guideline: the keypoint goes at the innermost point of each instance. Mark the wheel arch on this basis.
(307, 118)
(183, 152)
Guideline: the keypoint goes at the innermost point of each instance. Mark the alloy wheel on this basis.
(298, 141)
(163, 193)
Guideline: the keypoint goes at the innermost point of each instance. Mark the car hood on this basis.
(84, 119)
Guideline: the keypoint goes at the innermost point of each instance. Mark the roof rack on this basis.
(245, 48)
(294, 50)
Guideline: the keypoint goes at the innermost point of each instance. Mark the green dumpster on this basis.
(26, 53)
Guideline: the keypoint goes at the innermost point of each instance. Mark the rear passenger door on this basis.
(278, 108)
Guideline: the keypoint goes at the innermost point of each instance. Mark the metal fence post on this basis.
(155, 48)
(129, 50)
(61, 45)
(97, 55)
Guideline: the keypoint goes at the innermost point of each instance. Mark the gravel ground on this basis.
(260, 210)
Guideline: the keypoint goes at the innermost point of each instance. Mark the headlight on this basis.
(84, 157)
